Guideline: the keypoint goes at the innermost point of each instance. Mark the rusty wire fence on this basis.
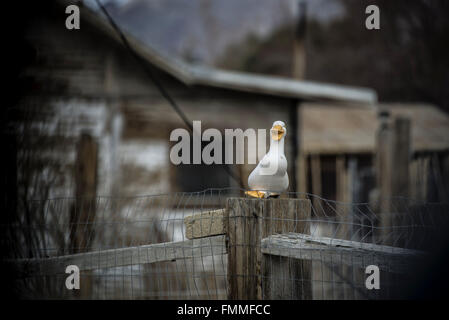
(296, 247)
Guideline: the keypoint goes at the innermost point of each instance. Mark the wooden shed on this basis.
(87, 81)
(338, 150)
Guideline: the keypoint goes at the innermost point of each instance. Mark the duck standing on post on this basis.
(270, 177)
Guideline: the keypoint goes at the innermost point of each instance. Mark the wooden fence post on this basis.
(384, 163)
(401, 157)
(393, 167)
(83, 210)
(85, 176)
(283, 277)
(252, 275)
(243, 227)
(400, 179)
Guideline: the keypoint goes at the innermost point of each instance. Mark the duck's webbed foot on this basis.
(256, 194)
(262, 194)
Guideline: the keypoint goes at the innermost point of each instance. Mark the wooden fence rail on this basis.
(349, 253)
(168, 251)
(268, 243)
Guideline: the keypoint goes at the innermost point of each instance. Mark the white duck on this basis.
(270, 178)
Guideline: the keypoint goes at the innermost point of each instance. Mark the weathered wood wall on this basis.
(89, 70)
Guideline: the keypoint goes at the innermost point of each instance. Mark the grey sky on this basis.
(203, 29)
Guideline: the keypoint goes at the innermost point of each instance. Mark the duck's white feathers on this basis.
(271, 172)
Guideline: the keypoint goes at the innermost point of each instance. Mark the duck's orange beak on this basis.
(277, 132)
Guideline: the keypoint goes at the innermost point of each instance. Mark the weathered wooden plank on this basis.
(286, 278)
(168, 251)
(345, 252)
(384, 172)
(401, 157)
(205, 224)
(243, 227)
(82, 214)
(302, 171)
(393, 171)
(315, 169)
(252, 275)
(401, 174)
(83, 211)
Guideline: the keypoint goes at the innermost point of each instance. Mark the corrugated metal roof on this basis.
(270, 85)
(330, 129)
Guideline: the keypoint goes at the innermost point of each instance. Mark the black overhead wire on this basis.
(145, 68)
(155, 81)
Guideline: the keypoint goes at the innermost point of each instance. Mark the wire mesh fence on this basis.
(297, 247)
